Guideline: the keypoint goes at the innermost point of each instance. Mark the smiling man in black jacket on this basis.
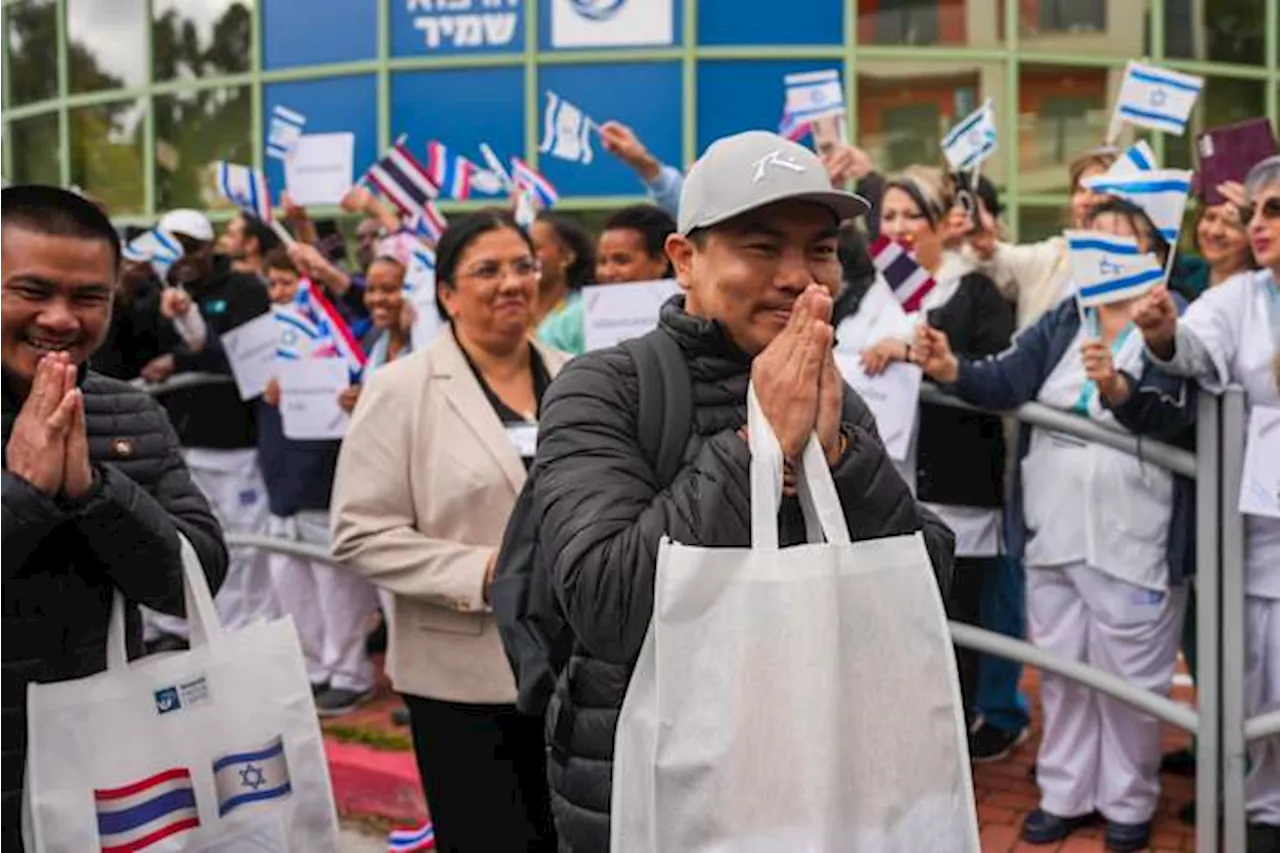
(756, 254)
(95, 492)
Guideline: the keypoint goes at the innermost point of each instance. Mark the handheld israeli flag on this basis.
(420, 272)
(812, 95)
(973, 140)
(253, 776)
(1136, 158)
(1161, 193)
(156, 247)
(1108, 268)
(566, 131)
(1155, 98)
(245, 187)
(284, 132)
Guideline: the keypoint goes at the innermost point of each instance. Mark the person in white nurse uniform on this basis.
(1097, 544)
(1232, 335)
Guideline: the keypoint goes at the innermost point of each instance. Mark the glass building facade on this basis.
(132, 99)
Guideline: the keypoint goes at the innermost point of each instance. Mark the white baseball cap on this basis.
(187, 222)
(740, 173)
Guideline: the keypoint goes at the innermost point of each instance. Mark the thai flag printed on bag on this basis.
(427, 224)
(813, 95)
(906, 278)
(972, 140)
(1155, 98)
(566, 131)
(253, 776)
(246, 188)
(451, 174)
(1108, 268)
(140, 814)
(410, 840)
(405, 182)
(1161, 193)
(284, 133)
(156, 247)
(525, 177)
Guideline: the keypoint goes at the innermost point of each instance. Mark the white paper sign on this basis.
(251, 350)
(893, 397)
(611, 23)
(309, 389)
(319, 172)
(1260, 486)
(616, 312)
(524, 438)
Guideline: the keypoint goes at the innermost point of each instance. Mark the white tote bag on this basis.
(803, 699)
(214, 749)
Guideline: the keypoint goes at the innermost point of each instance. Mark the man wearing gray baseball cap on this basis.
(755, 255)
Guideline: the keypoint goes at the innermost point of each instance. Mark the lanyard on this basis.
(1090, 389)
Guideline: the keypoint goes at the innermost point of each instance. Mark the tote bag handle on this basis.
(823, 515)
(202, 616)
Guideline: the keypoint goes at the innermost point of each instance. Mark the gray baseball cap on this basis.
(749, 170)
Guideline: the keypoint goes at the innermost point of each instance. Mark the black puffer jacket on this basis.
(603, 517)
(63, 562)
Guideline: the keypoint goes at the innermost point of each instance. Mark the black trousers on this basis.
(484, 773)
(971, 576)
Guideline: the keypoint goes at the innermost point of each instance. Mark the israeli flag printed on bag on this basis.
(284, 132)
(566, 131)
(1109, 268)
(256, 775)
(1155, 98)
(813, 95)
(1162, 193)
(972, 140)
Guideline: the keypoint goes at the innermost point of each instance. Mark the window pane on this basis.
(1221, 31)
(36, 153)
(946, 22)
(905, 108)
(1223, 101)
(1085, 26)
(192, 130)
(1040, 223)
(192, 40)
(32, 44)
(105, 44)
(106, 154)
(1062, 112)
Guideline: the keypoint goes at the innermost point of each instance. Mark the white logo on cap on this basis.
(773, 158)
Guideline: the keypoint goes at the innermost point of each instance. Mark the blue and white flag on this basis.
(1108, 268)
(1161, 193)
(420, 271)
(812, 95)
(1155, 98)
(245, 187)
(284, 132)
(566, 131)
(156, 247)
(253, 776)
(1136, 158)
(146, 812)
(972, 140)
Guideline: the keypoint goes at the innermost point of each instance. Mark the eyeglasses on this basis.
(492, 272)
(1270, 210)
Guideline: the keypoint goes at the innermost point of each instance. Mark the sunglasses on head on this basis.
(1270, 210)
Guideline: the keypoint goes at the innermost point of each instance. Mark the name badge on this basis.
(524, 438)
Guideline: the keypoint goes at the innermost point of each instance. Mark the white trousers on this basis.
(1097, 752)
(330, 606)
(1262, 695)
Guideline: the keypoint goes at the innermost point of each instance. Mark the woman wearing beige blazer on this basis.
(429, 471)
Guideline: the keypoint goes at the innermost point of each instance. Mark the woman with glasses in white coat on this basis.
(1231, 334)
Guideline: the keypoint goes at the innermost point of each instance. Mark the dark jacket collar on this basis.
(712, 354)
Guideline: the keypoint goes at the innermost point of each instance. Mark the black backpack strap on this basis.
(665, 413)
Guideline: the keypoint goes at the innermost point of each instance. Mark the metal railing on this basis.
(1219, 725)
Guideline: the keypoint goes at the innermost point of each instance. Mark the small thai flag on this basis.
(284, 132)
(451, 174)
(246, 188)
(525, 176)
(909, 281)
(403, 180)
(1109, 268)
(409, 840)
(252, 776)
(143, 813)
(427, 224)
